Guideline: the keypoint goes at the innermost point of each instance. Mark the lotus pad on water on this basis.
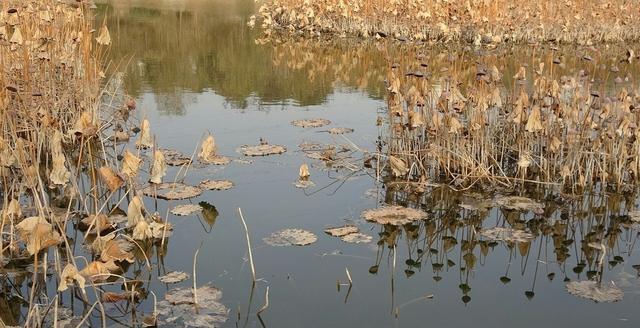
(394, 215)
(518, 203)
(186, 209)
(172, 191)
(291, 237)
(178, 308)
(262, 150)
(311, 123)
(597, 292)
(216, 184)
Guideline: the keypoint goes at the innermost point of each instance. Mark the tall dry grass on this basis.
(473, 122)
(485, 21)
(61, 166)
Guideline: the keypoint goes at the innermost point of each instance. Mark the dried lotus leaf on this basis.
(291, 237)
(311, 123)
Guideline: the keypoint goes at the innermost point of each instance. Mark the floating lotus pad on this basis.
(595, 291)
(518, 203)
(394, 215)
(186, 209)
(357, 238)
(174, 277)
(216, 184)
(291, 237)
(311, 123)
(178, 310)
(341, 231)
(172, 191)
(340, 130)
(175, 158)
(216, 160)
(507, 234)
(262, 150)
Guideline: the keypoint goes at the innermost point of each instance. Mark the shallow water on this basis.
(194, 67)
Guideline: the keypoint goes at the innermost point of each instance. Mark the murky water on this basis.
(194, 67)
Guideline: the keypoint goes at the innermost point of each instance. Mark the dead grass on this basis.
(581, 22)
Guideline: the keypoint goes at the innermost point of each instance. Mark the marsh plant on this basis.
(71, 177)
(476, 121)
(477, 22)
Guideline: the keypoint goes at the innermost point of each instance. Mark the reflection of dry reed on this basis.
(471, 122)
(479, 22)
(572, 238)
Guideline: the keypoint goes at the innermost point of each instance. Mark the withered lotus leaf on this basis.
(70, 275)
(130, 164)
(158, 168)
(38, 234)
(394, 215)
(110, 178)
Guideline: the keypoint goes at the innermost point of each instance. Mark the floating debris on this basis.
(394, 215)
(262, 150)
(178, 308)
(342, 231)
(172, 191)
(595, 291)
(518, 203)
(216, 185)
(291, 237)
(186, 209)
(311, 123)
(174, 277)
(175, 158)
(340, 130)
(507, 234)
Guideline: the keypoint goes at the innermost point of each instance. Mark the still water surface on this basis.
(195, 67)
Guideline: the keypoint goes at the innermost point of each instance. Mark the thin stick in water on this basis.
(246, 231)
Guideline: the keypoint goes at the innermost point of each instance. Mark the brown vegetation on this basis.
(479, 22)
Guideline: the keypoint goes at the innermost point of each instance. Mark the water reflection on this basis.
(175, 51)
(575, 238)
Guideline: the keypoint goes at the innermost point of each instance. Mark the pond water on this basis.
(195, 67)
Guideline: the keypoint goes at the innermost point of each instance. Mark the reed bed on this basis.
(475, 121)
(479, 22)
(67, 169)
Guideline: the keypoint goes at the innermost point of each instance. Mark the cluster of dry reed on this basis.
(63, 165)
(473, 122)
(480, 22)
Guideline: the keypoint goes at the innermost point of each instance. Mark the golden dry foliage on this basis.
(38, 234)
(158, 167)
(555, 126)
(474, 22)
(70, 274)
(110, 178)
